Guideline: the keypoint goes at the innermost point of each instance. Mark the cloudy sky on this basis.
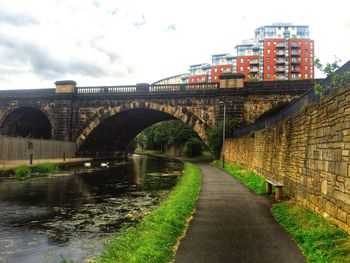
(106, 42)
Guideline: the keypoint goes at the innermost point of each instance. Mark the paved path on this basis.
(232, 224)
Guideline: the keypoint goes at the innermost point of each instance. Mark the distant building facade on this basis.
(280, 51)
(177, 79)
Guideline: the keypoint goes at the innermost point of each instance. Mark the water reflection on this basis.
(72, 214)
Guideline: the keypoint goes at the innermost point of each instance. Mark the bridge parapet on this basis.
(147, 88)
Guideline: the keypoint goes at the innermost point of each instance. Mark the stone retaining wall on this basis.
(19, 148)
(309, 153)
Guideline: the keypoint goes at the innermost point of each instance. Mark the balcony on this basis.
(254, 62)
(281, 45)
(280, 62)
(280, 69)
(254, 70)
(255, 47)
(295, 61)
(295, 69)
(280, 54)
(295, 53)
(295, 46)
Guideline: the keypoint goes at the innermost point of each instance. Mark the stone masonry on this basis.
(309, 153)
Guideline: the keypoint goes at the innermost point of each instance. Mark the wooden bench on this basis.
(278, 192)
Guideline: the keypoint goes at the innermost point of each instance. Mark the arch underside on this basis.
(115, 133)
(26, 122)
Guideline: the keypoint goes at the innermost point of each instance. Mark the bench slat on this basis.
(275, 183)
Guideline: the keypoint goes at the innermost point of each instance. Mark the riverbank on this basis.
(10, 164)
(320, 240)
(154, 239)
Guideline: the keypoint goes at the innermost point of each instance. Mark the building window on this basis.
(306, 76)
(268, 43)
(268, 67)
(274, 42)
(268, 59)
(215, 77)
(306, 60)
(241, 69)
(268, 76)
(241, 60)
(306, 51)
(268, 51)
(215, 70)
(306, 67)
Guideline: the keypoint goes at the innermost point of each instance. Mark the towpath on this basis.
(232, 224)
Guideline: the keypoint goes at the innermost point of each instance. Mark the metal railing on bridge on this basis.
(147, 88)
(291, 109)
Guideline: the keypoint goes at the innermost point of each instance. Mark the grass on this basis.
(21, 172)
(154, 238)
(319, 239)
(254, 182)
(43, 168)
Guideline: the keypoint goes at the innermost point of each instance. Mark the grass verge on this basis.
(43, 168)
(153, 239)
(24, 171)
(319, 239)
(254, 182)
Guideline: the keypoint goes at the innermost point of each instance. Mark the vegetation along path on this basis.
(232, 224)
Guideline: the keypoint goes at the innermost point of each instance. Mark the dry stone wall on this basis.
(309, 153)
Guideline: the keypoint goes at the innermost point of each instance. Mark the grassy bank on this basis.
(251, 180)
(153, 239)
(319, 240)
(22, 172)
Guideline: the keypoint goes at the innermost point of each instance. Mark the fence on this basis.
(13, 148)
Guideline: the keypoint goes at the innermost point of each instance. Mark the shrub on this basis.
(193, 147)
(22, 171)
(43, 168)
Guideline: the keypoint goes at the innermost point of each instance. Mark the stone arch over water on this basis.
(26, 121)
(116, 126)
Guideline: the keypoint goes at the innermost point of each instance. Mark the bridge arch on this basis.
(151, 113)
(26, 121)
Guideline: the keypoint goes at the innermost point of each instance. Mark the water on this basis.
(71, 215)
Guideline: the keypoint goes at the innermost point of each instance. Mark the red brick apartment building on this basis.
(281, 51)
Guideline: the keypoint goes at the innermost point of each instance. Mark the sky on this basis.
(105, 42)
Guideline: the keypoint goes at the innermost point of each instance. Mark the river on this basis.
(71, 215)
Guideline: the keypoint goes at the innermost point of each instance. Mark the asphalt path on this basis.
(232, 224)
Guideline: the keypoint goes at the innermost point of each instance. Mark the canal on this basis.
(71, 215)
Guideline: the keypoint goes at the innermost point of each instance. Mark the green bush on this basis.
(43, 168)
(193, 147)
(22, 171)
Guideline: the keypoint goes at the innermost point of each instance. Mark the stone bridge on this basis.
(106, 118)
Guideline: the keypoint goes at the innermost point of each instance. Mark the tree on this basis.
(336, 80)
(215, 136)
(193, 147)
(165, 133)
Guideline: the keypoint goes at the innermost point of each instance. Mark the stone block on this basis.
(324, 186)
(341, 215)
(347, 184)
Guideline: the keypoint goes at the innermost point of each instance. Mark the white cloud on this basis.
(125, 42)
